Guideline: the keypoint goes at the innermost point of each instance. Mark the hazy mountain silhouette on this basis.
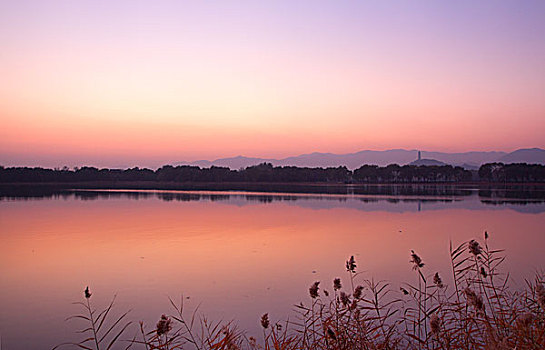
(525, 155)
(233, 162)
(469, 158)
(351, 160)
(394, 156)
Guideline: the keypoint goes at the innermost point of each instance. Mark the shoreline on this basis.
(484, 189)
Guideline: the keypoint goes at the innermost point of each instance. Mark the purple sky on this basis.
(117, 82)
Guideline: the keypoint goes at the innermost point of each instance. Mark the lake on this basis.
(236, 254)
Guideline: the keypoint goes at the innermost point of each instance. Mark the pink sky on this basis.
(145, 84)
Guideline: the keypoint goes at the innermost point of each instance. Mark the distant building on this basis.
(426, 162)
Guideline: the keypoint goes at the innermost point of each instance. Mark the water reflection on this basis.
(240, 254)
(509, 191)
(529, 199)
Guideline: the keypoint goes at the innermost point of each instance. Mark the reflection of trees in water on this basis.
(492, 195)
(94, 195)
(413, 190)
(188, 197)
(514, 192)
(369, 200)
(512, 201)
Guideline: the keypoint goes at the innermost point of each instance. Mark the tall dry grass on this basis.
(479, 310)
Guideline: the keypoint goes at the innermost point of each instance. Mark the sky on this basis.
(145, 83)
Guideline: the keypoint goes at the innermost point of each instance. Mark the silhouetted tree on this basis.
(266, 172)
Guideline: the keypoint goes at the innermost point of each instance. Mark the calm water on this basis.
(237, 254)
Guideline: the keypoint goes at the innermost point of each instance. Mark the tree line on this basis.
(516, 172)
(266, 172)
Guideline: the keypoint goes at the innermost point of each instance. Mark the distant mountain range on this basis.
(469, 160)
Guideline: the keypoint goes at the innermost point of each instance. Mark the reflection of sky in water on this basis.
(240, 254)
(360, 202)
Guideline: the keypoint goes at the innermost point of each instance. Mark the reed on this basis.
(478, 309)
(101, 331)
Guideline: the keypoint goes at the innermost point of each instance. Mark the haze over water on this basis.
(239, 254)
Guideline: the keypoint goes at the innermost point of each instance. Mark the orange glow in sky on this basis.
(145, 84)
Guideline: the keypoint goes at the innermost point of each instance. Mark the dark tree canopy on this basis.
(266, 172)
